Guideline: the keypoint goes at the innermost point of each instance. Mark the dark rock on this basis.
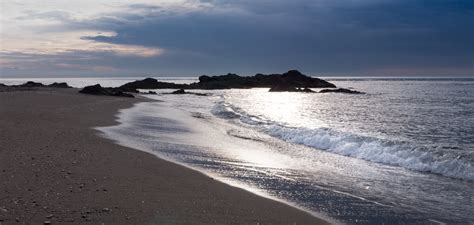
(283, 88)
(198, 94)
(59, 85)
(307, 90)
(180, 91)
(151, 93)
(341, 90)
(95, 90)
(149, 83)
(99, 90)
(288, 80)
(121, 94)
(289, 88)
(31, 84)
(292, 78)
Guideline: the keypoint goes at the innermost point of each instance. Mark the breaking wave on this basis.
(454, 164)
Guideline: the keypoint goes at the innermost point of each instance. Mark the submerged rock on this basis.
(122, 94)
(182, 91)
(283, 88)
(341, 90)
(290, 89)
(99, 90)
(178, 92)
(149, 93)
(307, 90)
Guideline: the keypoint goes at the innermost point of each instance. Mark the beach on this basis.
(55, 168)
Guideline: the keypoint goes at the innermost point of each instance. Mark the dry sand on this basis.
(54, 167)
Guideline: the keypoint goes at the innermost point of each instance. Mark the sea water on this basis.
(402, 153)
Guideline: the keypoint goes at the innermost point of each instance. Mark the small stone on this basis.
(47, 222)
(49, 216)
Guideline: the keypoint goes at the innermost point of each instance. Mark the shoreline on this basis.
(55, 167)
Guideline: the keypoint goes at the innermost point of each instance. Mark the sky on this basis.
(63, 38)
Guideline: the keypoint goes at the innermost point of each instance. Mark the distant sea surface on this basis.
(402, 153)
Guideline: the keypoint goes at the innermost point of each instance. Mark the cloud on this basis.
(367, 37)
(319, 36)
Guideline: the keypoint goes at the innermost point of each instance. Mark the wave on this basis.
(449, 163)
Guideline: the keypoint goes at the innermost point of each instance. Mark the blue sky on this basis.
(194, 37)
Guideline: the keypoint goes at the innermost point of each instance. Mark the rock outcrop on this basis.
(182, 92)
(59, 85)
(341, 90)
(149, 83)
(30, 84)
(178, 92)
(292, 78)
(289, 88)
(99, 90)
(291, 81)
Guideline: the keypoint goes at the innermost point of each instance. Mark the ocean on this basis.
(402, 153)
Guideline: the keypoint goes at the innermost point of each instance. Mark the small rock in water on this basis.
(180, 91)
(341, 90)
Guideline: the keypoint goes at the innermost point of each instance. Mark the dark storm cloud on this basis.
(336, 37)
(319, 37)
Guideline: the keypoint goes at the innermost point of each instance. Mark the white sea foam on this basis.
(389, 152)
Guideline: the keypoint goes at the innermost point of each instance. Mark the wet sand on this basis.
(55, 168)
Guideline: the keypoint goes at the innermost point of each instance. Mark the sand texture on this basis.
(55, 168)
